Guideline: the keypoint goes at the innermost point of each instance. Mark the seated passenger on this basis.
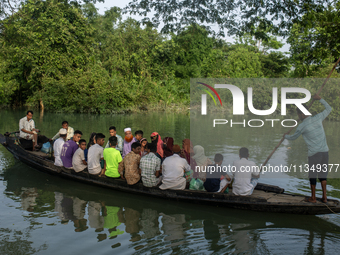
(119, 145)
(246, 174)
(28, 130)
(168, 143)
(112, 158)
(128, 141)
(188, 152)
(58, 145)
(70, 131)
(173, 170)
(129, 167)
(139, 135)
(69, 148)
(91, 142)
(78, 159)
(213, 180)
(201, 161)
(95, 155)
(150, 166)
(143, 143)
(157, 140)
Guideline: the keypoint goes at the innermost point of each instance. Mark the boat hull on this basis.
(254, 203)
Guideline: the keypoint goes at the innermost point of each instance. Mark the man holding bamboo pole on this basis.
(313, 133)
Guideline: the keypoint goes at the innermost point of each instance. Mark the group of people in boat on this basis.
(135, 159)
(165, 164)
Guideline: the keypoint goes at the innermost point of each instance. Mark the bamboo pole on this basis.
(310, 104)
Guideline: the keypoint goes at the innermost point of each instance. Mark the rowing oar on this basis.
(309, 106)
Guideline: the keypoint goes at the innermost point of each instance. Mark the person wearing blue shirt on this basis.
(314, 135)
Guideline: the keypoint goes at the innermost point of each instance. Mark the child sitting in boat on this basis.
(112, 158)
(245, 173)
(78, 159)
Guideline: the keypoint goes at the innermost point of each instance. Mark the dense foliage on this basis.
(235, 16)
(63, 56)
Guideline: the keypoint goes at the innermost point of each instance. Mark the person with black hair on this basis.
(129, 167)
(28, 130)
(213, 177)
(69, 130)
(314, 135)
(150, 166)
(112, 158)
(173, 171)
(91, 142)
(78, 159)
(139, 135)
(143, 143)
(246, 174)
(69, 148)
(120, 141)
(95, 155)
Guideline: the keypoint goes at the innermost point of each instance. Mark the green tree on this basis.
(275, 65)
(9, 7)
(44, 40)
(243, 63)
(195, 46)
(314, 41)
(235, 16)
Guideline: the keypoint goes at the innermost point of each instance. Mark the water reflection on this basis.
(71, 209)
(105, 220)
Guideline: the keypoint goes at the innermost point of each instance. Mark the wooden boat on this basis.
(266, 198)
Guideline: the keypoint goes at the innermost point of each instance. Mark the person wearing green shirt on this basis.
(111, 220)
(112, 158)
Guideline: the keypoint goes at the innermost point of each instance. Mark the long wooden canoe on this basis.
(266, 198)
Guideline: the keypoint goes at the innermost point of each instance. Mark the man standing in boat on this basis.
(313, 133)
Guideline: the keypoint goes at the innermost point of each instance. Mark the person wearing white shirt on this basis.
(58, 146)
(245, 174)
(69, 130)
(95, 155)
(78, 159)
(120, 142)
(27, 128)
(173, 169)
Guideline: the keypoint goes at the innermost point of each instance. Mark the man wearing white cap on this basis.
(58, 145)
(128, 140)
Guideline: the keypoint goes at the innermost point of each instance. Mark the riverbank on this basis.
(152, 107)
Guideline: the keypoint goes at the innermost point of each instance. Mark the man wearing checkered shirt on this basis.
(150, 165)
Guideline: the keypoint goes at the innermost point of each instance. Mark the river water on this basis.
(43, 214)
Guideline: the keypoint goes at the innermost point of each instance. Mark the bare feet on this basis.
(324, 200)
(310, 200)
